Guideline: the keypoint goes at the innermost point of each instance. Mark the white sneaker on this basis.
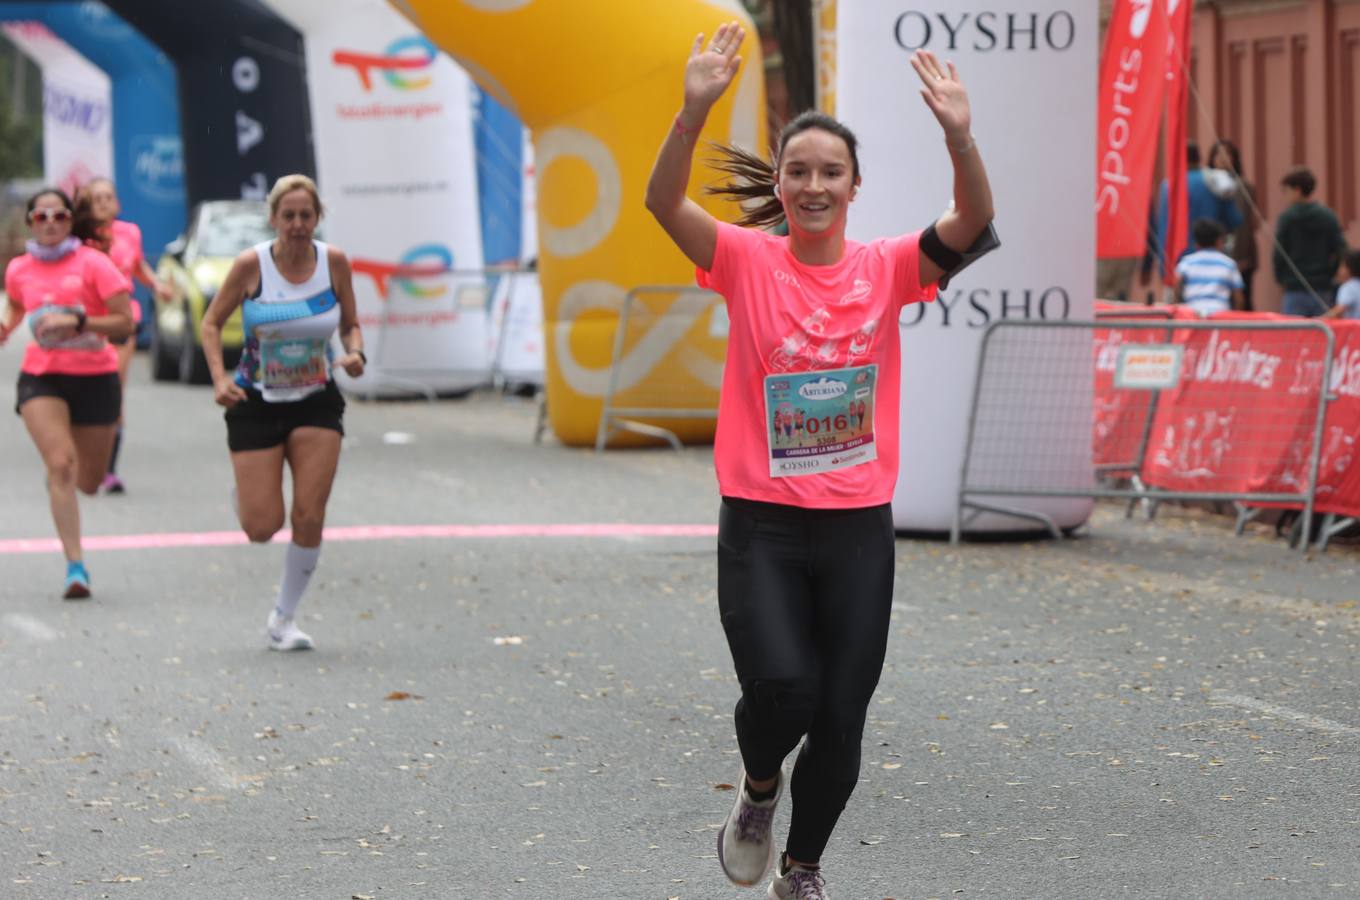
(745, 848)
(285, 635)
(797, 883)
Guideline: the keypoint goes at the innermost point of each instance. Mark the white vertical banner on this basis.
(1030, 67)
(77, 108)
(392, 120)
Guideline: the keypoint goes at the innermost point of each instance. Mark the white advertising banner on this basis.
(77, 108)
(392, 120)
(517, 329)
(1030, 67)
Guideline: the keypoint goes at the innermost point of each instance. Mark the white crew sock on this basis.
(298, 565)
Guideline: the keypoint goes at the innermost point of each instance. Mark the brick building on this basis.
(1281, 78)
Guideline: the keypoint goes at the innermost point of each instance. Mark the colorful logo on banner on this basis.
(400, 68)
(412, 274)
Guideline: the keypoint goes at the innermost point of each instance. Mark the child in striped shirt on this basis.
(1208, 280)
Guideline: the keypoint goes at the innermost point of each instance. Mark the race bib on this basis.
(820, 421)
(86, 340)
(293, 365)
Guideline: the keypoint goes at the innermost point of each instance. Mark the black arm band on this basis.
(952, 261)
(937, 252)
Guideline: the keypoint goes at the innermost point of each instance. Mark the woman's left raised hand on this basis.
(945, 95)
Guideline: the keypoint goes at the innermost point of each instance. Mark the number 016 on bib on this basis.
(820, 421)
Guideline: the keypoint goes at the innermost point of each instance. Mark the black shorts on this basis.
(256, 424)
(92, 399)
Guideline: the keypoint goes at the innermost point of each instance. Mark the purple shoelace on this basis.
(807, 884)
(753, 821)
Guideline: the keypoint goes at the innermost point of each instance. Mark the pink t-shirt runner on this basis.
(809, 346)
(125, 249)
(84, 277)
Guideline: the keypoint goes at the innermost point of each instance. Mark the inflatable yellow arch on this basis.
(598, 84)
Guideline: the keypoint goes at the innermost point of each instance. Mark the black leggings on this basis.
(805, 597)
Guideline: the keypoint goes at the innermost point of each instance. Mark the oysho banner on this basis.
(1132, 84)
(77, 108)
(1029, 67)
(396, 166)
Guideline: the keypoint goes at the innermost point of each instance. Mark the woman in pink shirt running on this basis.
(76, 301)
(805, 533)
(99, 200)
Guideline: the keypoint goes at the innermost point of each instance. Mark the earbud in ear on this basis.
(776, 190)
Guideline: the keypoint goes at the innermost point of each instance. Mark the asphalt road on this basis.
(1150, 710)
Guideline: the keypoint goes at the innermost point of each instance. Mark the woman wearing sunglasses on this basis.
(68, 395)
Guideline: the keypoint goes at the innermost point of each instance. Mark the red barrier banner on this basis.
(1244, 416)
(1177, 91)
(1338, 475)
(1120, 416)
(1132, 79)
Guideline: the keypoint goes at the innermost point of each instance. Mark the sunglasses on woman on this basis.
(49, 215)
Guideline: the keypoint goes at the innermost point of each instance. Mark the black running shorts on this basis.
(92, 399)
(255, 424)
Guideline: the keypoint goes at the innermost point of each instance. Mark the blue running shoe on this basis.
(77, 581)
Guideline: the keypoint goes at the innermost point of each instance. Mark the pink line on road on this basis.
(172, 540)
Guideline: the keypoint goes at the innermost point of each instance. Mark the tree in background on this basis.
(20, 115)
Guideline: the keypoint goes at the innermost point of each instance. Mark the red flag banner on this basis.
(1177, 92)
(1132, 78)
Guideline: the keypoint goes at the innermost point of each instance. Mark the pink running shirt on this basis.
(84, 277)
(788, 318)
(125, 249)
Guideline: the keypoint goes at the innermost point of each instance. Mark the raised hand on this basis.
(945, 95)
(711, 69)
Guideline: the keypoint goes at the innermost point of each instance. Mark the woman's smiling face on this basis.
(816, 181)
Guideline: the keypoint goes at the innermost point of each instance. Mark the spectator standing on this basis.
(1308, 247)
(1203, 202)
(1241, 244)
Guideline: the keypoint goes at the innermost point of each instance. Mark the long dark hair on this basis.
(754, 178)
(83, 227)
(1234, 156)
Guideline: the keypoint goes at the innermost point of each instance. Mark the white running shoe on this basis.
(745, 848)
(797, 883)
(285, 635)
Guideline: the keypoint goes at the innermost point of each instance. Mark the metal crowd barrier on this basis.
(1202, 410)
(690, 303)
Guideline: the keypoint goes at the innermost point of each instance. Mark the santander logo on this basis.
(417, 267)
(403, 59)
(1142, 14)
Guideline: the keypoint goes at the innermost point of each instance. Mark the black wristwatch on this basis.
(80, 320)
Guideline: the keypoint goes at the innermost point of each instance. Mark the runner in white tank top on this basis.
(282, 405)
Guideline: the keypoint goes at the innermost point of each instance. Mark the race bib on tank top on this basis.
(288, 331)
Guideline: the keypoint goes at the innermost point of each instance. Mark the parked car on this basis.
(196, 263)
